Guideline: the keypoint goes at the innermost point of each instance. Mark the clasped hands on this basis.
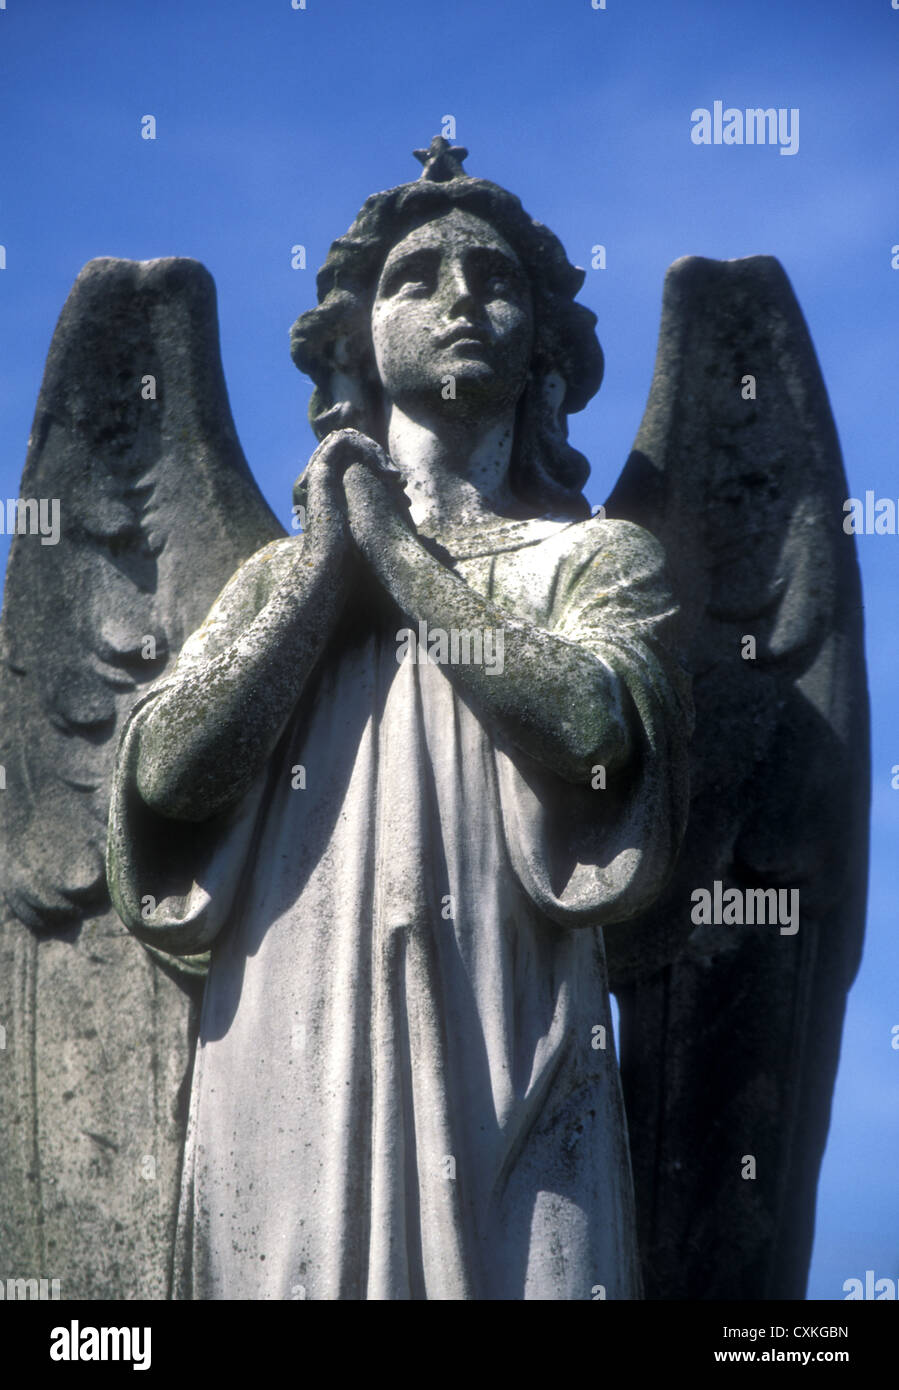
(557, 702)
(355, 501)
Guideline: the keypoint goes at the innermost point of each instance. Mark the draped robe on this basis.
(405, 1083)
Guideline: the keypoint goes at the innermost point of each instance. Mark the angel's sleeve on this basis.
(172, 882)
(594, 854)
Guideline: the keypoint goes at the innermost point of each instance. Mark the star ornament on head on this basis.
(441, 161)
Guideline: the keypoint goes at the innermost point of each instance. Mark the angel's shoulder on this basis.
(613, 547)
(245, 594)
(253, 582)
(271, 559)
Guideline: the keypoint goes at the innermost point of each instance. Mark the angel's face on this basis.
(452, 321)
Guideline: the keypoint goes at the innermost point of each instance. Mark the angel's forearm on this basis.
(209, 736)
(551, 698)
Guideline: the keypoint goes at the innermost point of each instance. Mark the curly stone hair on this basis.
(332, 342)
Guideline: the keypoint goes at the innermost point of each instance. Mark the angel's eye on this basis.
(414, 276)
(498, 278)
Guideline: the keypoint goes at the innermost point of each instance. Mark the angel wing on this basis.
(730, 1035)
(136, 477)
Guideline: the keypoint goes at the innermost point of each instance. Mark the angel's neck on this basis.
(456, 471)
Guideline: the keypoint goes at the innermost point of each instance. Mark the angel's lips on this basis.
(465, 338)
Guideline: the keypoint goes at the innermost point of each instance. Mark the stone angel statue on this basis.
(414, 789)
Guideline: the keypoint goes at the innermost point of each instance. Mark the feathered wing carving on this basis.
(730, 1035)
(133, 438)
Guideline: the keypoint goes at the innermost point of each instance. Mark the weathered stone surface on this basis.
(93, 1106)
(731, 1035)
(133, 437)
(400, 1090)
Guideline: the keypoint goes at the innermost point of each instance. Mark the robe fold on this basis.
(405, 1084)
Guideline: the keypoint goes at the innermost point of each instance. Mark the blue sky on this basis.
(274, 124)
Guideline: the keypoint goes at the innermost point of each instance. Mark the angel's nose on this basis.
(460, 297)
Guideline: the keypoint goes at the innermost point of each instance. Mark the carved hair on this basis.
(332, 343)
